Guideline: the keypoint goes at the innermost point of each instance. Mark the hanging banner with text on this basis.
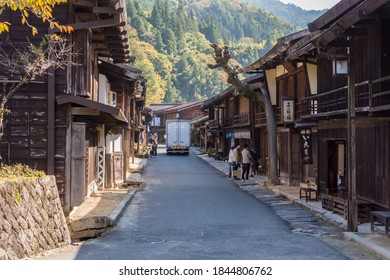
(306, 146)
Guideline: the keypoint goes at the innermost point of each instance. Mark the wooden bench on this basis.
(306, 191)
(339, 205)
(380, 218)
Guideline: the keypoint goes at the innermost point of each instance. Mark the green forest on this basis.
(171, 43)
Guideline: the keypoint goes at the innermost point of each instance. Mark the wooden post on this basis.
(352, 221)
(51, 95)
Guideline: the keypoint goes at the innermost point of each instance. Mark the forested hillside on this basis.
(171, 42)
(289, 12)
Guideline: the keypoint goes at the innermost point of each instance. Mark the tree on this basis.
(222, 57)
(24, 64)
(40, 8)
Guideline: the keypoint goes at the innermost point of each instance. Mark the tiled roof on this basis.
(158, 107)
(178, 108)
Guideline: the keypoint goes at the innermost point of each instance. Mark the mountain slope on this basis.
(171, 41)
(289, 12)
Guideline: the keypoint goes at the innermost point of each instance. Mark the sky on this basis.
(312, 4)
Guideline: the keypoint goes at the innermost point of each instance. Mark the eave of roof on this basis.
(113, 111)
(107, 20)
(276, 52)
(228, 93)
(108, 67)
(178, 108)
(336, 26)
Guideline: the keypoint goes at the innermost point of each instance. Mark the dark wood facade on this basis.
(321, 101)
(234, 119)
(299, 72)
(64, 124)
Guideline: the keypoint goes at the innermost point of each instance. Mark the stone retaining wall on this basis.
(31, 218)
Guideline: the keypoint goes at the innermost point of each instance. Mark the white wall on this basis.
(312, 73)
(103, 86)
(114, 143)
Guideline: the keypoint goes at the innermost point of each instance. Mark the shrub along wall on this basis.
(31, 218)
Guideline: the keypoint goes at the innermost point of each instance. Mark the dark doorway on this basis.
(336, 165)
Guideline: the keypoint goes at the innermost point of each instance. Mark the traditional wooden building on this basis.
(186, 111)
(312, 76)
(329, 81)
(288, 82)
(156, 125)
(350, 47)
(78, 123)
(232, 118)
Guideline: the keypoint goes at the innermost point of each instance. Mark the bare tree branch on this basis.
(222, 57)
(25, 63)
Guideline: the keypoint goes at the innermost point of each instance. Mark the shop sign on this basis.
(229, 135)
(306, 146)
(239, 135)
(242, 135)
(288, 110)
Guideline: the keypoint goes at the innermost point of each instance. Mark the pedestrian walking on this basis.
(255, 162)
(246, 163)
(154, 144)
(236, 158)
(230, 163)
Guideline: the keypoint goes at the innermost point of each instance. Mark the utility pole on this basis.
(352, 221)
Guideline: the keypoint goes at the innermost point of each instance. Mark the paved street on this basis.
(189, 210)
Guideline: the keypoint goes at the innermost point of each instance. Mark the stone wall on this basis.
(31, 218)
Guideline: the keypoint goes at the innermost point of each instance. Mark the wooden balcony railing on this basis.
(370, 96)
(322, 104)
(373, 96)
(379, 96)
(261, 118)
(237, 120)
(214, 124)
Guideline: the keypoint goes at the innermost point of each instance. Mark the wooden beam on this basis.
(289, 66)
(111, 31)
(321, 38)
(101, 49)
(110, 40)
(115, 21)
(107, 10)
(84, 111)
(380, 108)
(352, 219)
(356, 32)
(339, 27)
(51, 107)
(339, 44)
(118, 45)
(119, 51)
(121, 60)
(333, 14)
(84, 3)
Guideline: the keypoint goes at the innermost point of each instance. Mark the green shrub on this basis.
(210, 151)
(18, 171)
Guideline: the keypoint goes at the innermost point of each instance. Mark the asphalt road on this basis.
(188, 210)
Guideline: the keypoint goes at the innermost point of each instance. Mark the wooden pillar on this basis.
(51, 119)
(352, 220)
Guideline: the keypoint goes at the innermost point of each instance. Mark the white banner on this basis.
(199, 270)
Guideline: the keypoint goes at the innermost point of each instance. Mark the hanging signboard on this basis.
(288, 110)
(229, 135)
(239, 135)
(306, 146)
